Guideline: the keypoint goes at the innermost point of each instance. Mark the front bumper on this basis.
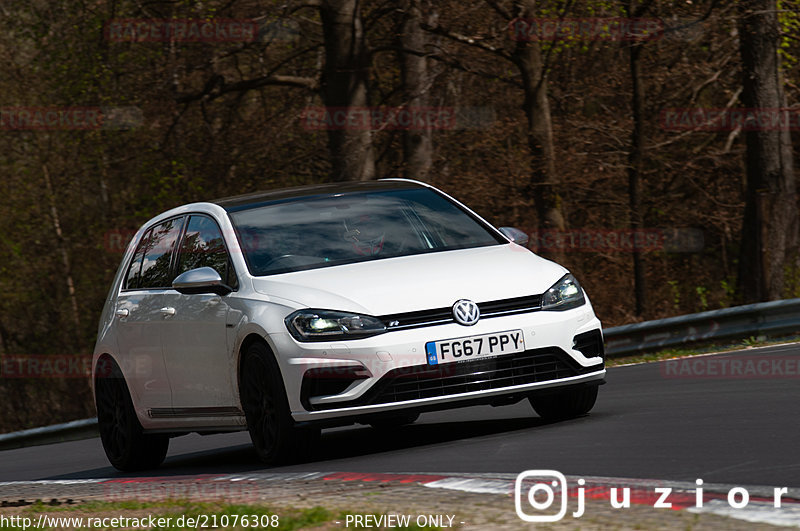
(445, 402)
(390, 372)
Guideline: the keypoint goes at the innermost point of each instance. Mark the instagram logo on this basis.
(540, 496)
(535, 494)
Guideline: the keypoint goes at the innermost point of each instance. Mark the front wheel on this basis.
(565, 404)
(272, 429)
(126, 445)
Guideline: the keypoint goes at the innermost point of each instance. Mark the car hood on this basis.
(419, 282)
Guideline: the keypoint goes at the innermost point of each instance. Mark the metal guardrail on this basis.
(765, 319)
(69, 431)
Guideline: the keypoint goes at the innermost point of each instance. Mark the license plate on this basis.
(472, 347)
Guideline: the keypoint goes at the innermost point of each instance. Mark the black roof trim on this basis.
(256, 199)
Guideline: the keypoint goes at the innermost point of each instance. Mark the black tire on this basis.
(565, 404)
(275, 437)
(126, 445)
(394, 421)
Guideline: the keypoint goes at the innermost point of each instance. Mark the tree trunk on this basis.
(770, 225)
(65, 262)
(417, 143)
(545, 183)
(635, 165)
(636, 155)
(344, 86)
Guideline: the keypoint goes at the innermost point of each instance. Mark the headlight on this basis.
(327, 325)
(564, 295)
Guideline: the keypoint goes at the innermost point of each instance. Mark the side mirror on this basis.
(515, 235)
(200, 280)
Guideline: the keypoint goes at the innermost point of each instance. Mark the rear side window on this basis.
(158, 254)
(133, 279)
(151, 264)
(203, 246)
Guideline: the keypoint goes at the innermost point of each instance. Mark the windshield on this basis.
(313, 232)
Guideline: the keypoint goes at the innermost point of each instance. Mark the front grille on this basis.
(423, 381)
(419, 319)
(402, 321)
(511, 306)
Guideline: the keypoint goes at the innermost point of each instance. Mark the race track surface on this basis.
(650, 422)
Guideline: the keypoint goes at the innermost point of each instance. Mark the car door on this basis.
(140, 317)
(195, 341)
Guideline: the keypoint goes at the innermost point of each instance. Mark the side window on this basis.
(132, 280)
(158, 254)
(203, 246)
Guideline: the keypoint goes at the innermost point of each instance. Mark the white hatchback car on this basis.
(288, 311)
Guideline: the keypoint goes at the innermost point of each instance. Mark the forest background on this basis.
(590, 125)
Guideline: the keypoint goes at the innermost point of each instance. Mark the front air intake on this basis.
(590, 344)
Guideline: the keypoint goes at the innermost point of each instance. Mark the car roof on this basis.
(256, 199)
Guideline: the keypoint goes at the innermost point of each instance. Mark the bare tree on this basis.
(526, 56)
(344, 86)
(636, 155)
(770, 226)
(417, 143)
(545, 182)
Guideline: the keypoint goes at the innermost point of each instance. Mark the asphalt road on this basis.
(651, 421)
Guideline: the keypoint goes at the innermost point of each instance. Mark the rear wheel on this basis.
(565, 404)
(126, 445)
(272, 429)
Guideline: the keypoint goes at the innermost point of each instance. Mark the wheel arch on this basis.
(249, 340)
(103, 365)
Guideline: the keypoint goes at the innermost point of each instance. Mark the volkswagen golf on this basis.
(289, 311)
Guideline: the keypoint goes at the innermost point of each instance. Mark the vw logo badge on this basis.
(466, 312)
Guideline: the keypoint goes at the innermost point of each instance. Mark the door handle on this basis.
(122, 313)
(167, 310)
